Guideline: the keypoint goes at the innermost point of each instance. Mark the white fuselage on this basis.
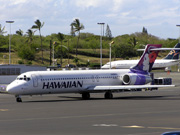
(47, 82)
(126, 64)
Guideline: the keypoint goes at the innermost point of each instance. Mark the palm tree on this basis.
(77, 27)
(2, 30)
(19, 32)
(72, 31)
(38, 25)
(60, 37)
(30, 35)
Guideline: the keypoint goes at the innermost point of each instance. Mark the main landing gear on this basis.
(108, 95)
(85, 95)
(18, 99)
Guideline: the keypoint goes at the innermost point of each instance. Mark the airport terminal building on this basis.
(8, 73)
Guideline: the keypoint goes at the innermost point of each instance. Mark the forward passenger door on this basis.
(35, 80)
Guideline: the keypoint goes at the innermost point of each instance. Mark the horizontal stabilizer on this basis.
(160, 49)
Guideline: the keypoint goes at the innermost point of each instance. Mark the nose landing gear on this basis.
(18, 99)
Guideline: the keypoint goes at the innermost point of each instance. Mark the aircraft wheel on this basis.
(18, 99)
(108, 95)
(85, 96)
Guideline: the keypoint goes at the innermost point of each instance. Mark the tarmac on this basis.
(131, 113)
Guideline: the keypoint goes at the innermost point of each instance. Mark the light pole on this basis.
(110, 53)
(53, 52)
(102, 25)
(10, 41)
(179, 32)
(68, 51)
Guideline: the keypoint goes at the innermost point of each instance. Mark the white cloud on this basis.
(16, 2)
(90, 3)
(117, 5)
(111, 15)
(126, 13)
(117, 13)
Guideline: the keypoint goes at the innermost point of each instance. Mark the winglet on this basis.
(147, 59)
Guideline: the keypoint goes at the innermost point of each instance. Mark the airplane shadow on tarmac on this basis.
(70, 98)
(171, 97)
(167, 97)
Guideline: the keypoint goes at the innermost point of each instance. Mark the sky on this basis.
(159, 17)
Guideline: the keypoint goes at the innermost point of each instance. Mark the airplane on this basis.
(88, 81)
(170, 60)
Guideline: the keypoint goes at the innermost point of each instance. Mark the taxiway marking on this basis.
(3, 110)
(105, 125)
(134, 126)
(84, 116)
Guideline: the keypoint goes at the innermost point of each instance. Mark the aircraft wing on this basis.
(125, 87)
(160, 49)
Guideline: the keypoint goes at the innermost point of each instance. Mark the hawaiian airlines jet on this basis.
(170, 60)
(87, 81)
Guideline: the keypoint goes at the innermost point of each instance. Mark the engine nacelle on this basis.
(136, 79)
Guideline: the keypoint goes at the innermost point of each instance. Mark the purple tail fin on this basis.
(147, 59)
(173, 54)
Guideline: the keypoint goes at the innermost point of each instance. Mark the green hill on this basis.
(26, 51)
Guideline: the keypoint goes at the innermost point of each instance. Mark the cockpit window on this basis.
(20, 78)
(24, 78)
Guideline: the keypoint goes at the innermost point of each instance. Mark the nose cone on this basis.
(13, 89)
(10, 89)
(105, 66)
